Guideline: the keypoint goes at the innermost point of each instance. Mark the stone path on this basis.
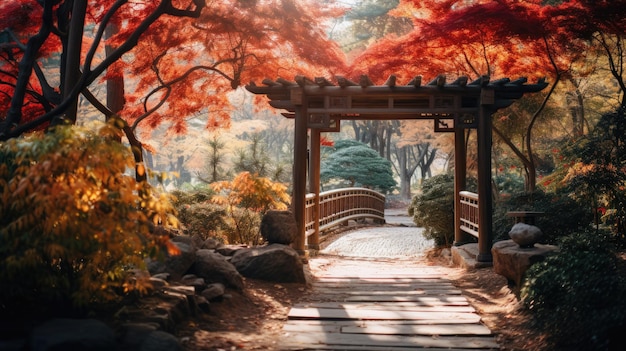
(386, 301)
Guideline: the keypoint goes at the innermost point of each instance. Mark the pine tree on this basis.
(358, 165)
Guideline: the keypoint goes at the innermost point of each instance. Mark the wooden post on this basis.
(298, 199)
(485, 202)
(460, 182)
(313, 242)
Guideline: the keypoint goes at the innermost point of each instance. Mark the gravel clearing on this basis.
(381, 242)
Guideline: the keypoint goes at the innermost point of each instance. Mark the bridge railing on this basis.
(469, 212)
(341, 205)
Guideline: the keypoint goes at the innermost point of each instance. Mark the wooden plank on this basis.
(329, 313)
(383, 279)
(442, 327)
(397, 282)
(389, 306)
(366, 305)
(425, 300)
(382, 276)
(394, 287)
(298, 340)
(378, 290)
(365, 348)
(403, 329)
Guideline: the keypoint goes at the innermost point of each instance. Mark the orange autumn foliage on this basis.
(74, 225)
(247, 198)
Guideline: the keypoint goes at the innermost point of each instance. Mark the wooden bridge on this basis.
(337, 207)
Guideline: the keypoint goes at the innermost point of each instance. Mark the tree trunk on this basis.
(72, 60)
(115, 85)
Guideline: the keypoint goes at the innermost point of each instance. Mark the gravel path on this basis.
(381, 242)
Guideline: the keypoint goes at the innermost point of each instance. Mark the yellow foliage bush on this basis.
(247, 198)
(75, 223)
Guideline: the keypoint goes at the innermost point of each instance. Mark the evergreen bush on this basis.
(433, 209)
(578, 295)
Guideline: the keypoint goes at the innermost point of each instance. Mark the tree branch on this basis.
(14, 115)
(10, 128)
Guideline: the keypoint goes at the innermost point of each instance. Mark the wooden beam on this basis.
(303, 81)
(323, 82)
(460, 183)
(416, 81)
(345, 82)
(270, 82)
(461, 81)
(482, 81)
(500, 82)
(285, 82)
(298, 199)
(520, 81)
(485, 200)
(282, 104)
(365, 81)
(313, 241)
(439, 82)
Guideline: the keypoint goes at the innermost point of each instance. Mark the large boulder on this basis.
(276, 263)
(279, 227)
(512, 261)
(73, 334)
(214, 268)
(176, 265)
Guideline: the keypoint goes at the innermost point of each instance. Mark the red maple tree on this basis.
(501, 38)
(178, 57)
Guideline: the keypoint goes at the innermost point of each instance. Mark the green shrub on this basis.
(74, 224)
(433, 209)
(509, 183)
(578, 295)
(563, 215)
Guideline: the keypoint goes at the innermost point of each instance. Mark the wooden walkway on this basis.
(383, 304)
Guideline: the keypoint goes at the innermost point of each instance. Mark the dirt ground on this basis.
(253, 320)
